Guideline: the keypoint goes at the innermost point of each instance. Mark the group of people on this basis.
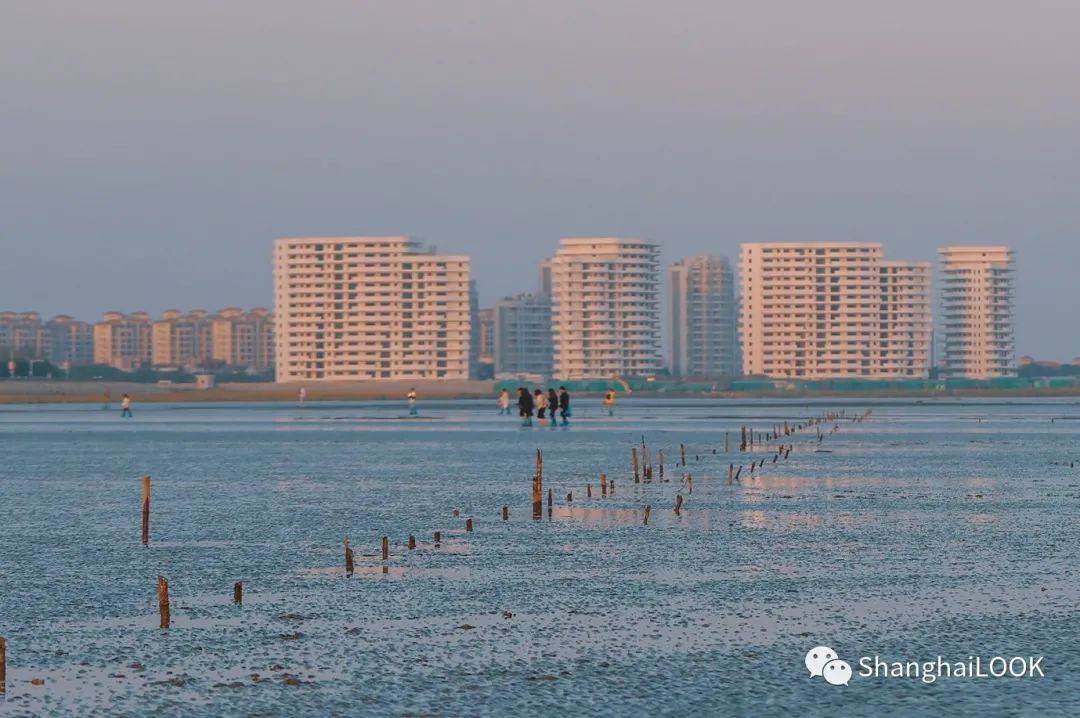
(543, 405)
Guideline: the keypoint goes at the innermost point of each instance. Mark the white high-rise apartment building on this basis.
(605, 312)
(826, 310)
(369, 308)
(703, 317)
(977, 312)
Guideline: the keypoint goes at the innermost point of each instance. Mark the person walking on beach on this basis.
(541, 404)
(301, 395)
(609, 402)
(564, 405)
(125, 407)
(411, 396)
(553, 405)
(525, 406)
(504, 402)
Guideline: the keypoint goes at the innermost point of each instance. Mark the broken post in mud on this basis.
(3, 665)
(163, 601)
(730, 472)
(633, 454)
(385, 548)
(611, 487)
(146, 511)
(727, 444)
(678, 504)
(468, 525)
(412, 542)
(603, 485)
(348, 558)
(538, 486)
(682, 454)
(506, 512)
(570, 497)
(742, 439)
(438, 538)
(648, 509)
(588, 491)
(690, 483)
(551, 500)
(238, 593)
(660, 459)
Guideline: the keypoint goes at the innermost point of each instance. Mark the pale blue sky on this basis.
(150, 152)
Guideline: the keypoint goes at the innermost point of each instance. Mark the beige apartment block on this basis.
(703, 317)
(605, 312)
(244, 339)
(369, 308)
(825, 310)
(123, 340)
(182, 340)
(977, 327)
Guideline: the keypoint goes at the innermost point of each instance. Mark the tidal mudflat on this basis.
(936, 528)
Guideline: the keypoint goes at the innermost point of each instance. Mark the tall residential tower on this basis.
(369, 308)
(826, 310)
(703, 317)
(605, 313)
(977, 312)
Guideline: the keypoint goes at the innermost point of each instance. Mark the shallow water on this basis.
(933, 528)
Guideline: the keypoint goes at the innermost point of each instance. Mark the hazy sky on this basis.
(150, 151)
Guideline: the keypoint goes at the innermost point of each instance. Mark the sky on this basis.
(151, 152)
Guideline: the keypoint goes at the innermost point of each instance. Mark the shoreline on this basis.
(89, 392)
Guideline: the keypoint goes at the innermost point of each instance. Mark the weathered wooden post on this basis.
(163, 601)
(660, 454)
(551, 501)
(678, 504)
(603, 485)
(634, 456)
(438, 538)
(690, 483)
(3, 665)
(538, 486)
(506, 512)
(727, 442)
(742, 439)
(412, 542)
(385, 548)
(682, 454)
(738, 473)
(570, 497)
(648, 509)
(348, 558)
(588, 491)
(146, 511)
(468, 525)
(238, 593)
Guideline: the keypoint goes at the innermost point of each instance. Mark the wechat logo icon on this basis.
(823, 662)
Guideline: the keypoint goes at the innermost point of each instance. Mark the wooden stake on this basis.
(660, 453)
(3, 665)
(633, 454)
(468, 524)
(506, 513)
(538, 486)
(690, 483)
(348, 558)
(727, 443)
(238, 593)
(611, 487)
(682, 454)
(385, 548)
(648, 509)
(678, 504)
(588, 491)
(570, 497)
(603, 485)
(742, 439)
(146, 510)
(163, 601)
(412, 542)
(438, 538)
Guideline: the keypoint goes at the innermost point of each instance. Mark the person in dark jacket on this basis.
(564, 404)
(553, 405)
(525, 406)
